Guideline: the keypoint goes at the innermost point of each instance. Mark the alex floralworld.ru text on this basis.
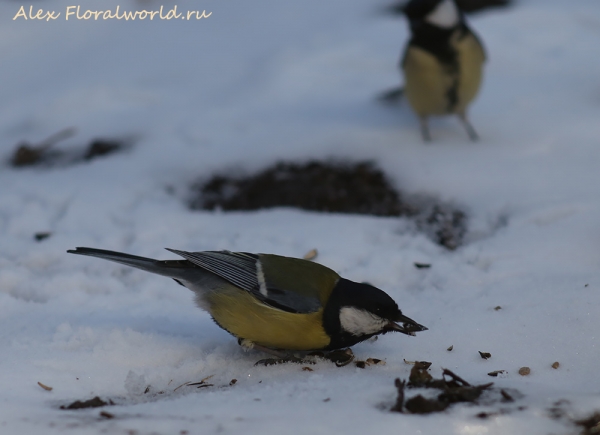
(76, 13)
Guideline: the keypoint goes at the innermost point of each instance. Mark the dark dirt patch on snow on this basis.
(334, 187)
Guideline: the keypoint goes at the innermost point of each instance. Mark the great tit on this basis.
(274, 303)
(442, 62)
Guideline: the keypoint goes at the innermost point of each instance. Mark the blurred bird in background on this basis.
(442, 63)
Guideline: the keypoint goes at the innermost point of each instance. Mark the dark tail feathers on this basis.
(176, 269)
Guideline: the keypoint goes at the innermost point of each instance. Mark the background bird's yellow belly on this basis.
(426, 83)
(244, 316)
(429, 83)
(471, 58)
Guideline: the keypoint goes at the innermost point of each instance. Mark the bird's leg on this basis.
(280, 356)
(425, 129)
(470, 130)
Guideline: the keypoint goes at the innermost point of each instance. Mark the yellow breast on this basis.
(244, 316)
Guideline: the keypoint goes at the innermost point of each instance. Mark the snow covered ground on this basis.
(267, 80)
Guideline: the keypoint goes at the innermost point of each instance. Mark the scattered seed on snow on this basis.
(311, 255)
(45, 387)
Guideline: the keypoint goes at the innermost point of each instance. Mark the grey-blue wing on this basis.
(239, 269)
(244, 270)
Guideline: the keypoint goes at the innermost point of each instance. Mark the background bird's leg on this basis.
(425, 129)
(470, 130)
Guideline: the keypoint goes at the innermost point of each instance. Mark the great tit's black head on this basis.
(358, 311)
(438, 13)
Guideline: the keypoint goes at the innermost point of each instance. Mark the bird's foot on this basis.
(289, 359)
(339, 357)
(281, 356)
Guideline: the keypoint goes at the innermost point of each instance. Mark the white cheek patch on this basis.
(444, 15)
(360, 322)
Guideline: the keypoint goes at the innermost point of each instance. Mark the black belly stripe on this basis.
(452, 95)
(438, 42)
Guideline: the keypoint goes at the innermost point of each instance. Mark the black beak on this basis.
(408, 327)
